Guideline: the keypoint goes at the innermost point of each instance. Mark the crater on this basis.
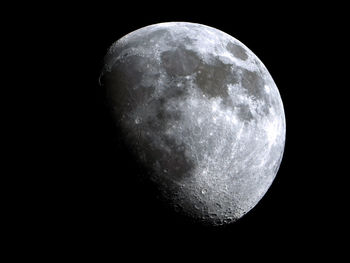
(237, 51)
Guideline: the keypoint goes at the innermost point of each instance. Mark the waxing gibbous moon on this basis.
(201, 112)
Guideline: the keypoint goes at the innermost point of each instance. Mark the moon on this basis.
(202, 113)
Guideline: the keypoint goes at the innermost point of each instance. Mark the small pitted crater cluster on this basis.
(203, 115)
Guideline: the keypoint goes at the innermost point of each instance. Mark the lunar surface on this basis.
(202, 113)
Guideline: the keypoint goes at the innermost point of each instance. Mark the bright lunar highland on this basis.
(202, 113)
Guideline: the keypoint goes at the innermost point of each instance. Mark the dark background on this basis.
(87, 198)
